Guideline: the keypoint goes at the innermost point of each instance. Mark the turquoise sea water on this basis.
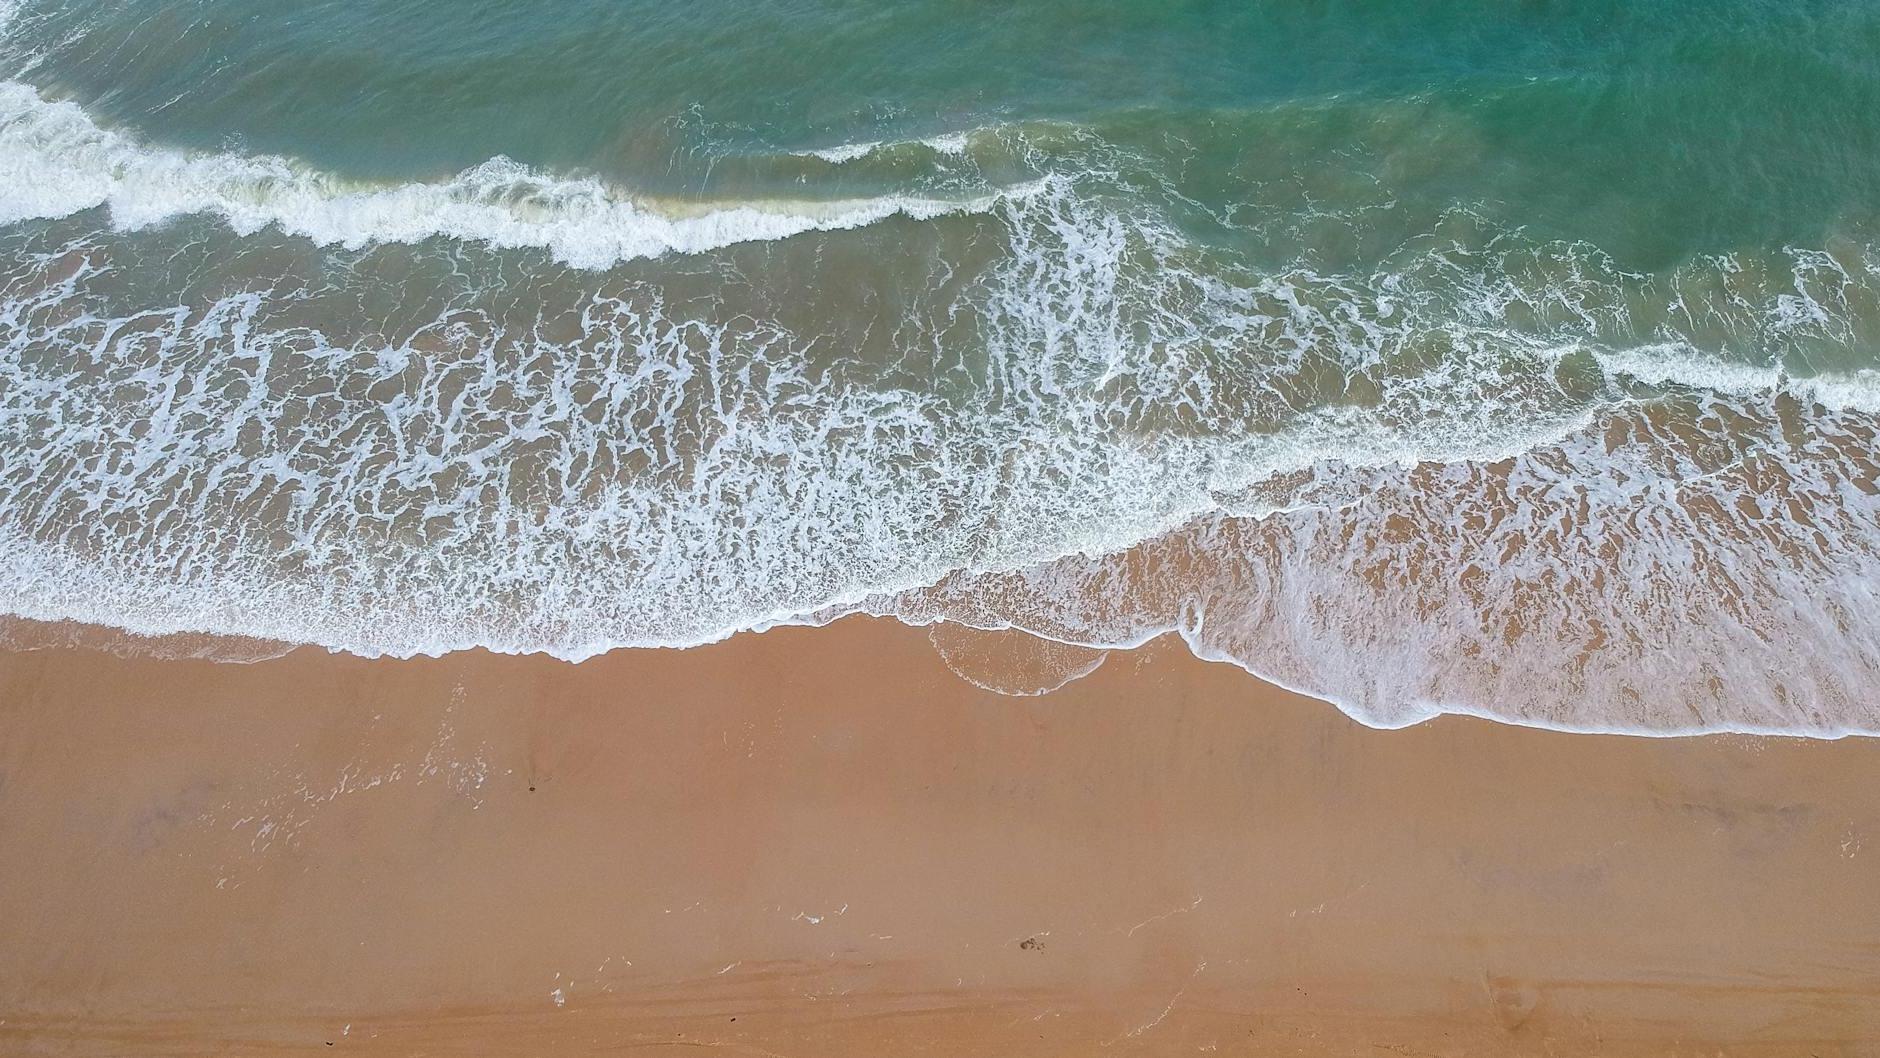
(1507, 358)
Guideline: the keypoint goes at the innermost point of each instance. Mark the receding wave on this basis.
(56, 161)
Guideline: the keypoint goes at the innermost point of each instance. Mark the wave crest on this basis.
(56, 161)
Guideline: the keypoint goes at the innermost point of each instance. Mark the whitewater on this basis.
(55, 161)
(1497, 475)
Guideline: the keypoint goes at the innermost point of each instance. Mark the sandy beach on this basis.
(825, 842)
(939, 530)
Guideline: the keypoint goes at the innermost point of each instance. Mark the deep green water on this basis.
(1513, 358)
(1655, 130)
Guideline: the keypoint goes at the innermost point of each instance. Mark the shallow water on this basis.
(1511, 360)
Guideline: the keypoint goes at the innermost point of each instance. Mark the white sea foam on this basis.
(56, 161)
(1376, 488)
(1677, 364)
(1683, 367)
(1647, 587)
(951, 143)
(1846, 391)
(845, 152)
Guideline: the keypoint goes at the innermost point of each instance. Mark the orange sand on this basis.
(819, 843)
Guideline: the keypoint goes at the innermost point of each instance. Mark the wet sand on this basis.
(825, 842)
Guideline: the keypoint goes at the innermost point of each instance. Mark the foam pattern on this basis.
(1492, 475)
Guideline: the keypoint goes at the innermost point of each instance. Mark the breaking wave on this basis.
(951, 143)
(56, 161)
(1492, 475)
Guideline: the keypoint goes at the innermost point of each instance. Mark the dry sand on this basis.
(820, 843)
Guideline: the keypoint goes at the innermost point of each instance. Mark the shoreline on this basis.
(25, 634)
(830, 836)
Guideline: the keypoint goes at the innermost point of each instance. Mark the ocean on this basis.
(1516, 359)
